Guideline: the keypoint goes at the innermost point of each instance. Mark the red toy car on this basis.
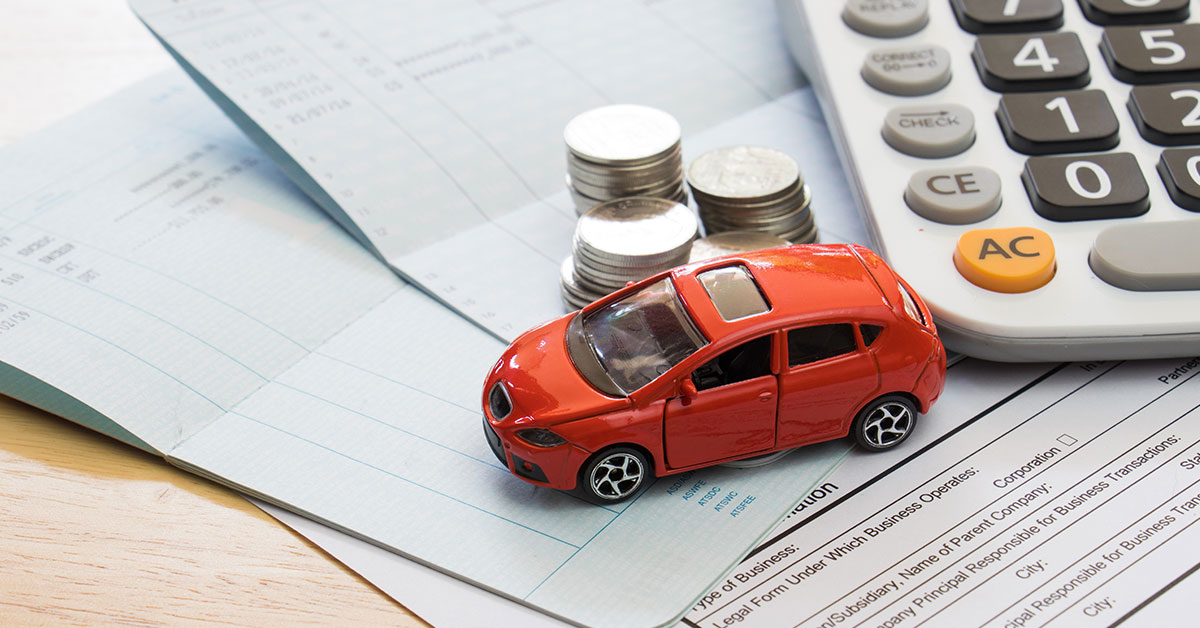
(715, 361)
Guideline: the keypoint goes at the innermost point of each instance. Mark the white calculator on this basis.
(1032, 167)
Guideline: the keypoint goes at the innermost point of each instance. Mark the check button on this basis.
(930, 131)
(1016, 259)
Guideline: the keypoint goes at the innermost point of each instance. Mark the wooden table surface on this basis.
(93, 531)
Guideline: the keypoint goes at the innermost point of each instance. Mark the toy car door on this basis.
(827, 376)
(732, 412)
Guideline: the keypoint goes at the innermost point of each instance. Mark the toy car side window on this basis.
(870, 333)
(745, 361)
(811, 344)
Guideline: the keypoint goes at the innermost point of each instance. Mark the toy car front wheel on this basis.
(614, 474)
(885, 422)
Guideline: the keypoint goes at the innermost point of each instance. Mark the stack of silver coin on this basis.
(625, 240)
(731, 242)
(752, 188)
(620, 151)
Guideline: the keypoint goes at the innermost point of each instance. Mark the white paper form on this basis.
(433, 129)
(1072, 504)
(156, 268)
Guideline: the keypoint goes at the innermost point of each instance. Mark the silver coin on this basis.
(614, 190)
(672, 158)
(731, 242)
(650, 230)
(742, 172)
(797, 197)
(621, 134)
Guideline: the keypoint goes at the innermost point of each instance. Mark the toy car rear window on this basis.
(734, 292)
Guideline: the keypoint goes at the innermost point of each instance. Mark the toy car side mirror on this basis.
(687, 389)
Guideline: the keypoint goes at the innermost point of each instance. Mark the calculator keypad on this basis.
(1031, 62)
(1009, 16)
(1057, 170)
(1167, 115)
(1086, 187)
(1042, 123)
(1162, 53)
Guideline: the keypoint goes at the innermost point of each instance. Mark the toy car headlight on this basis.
(498, 402)
(540, 437)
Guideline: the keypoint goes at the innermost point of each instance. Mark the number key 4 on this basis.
(1031, 62)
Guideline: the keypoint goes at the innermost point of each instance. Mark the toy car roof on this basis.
(801, 282)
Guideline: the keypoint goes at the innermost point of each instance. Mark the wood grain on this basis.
(93, 531)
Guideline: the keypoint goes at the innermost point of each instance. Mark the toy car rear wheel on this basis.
(614, 474)
(885, 422)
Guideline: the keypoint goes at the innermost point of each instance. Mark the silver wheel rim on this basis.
(617, 476)
(887, 424)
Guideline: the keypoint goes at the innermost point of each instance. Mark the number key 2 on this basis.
(1058, 122)
(1168, 115)
(1165, 53)
(1031, 62)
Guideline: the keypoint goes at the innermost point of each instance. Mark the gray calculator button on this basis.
(1086, 187)
(1040, 123)
(1013, 16)
(930, 131)
(1180, 172)
(1105, 12)
(1031, 62)
(908, 70)
(955, 196)
(1168, 115)
(1149, 256)
(886, 18)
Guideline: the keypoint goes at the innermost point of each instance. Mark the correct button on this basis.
(1016, 259)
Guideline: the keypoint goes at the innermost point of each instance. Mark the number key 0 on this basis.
(1058, 122)
(1164, 53)
(1031, 62)
(1086, 187)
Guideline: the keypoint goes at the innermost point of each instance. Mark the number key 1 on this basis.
(1058, 122)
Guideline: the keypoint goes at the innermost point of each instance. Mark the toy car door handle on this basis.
(765, 395)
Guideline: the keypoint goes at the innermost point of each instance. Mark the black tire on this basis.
(614, 475)
(885, 422)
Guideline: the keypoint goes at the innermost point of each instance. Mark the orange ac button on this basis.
(1016, 259)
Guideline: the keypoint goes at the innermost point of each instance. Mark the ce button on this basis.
(954, 196)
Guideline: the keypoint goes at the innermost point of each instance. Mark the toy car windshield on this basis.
(635, 339)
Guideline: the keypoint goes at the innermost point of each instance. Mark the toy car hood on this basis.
(540, 380)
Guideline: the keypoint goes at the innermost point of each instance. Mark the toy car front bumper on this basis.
(553, 467)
